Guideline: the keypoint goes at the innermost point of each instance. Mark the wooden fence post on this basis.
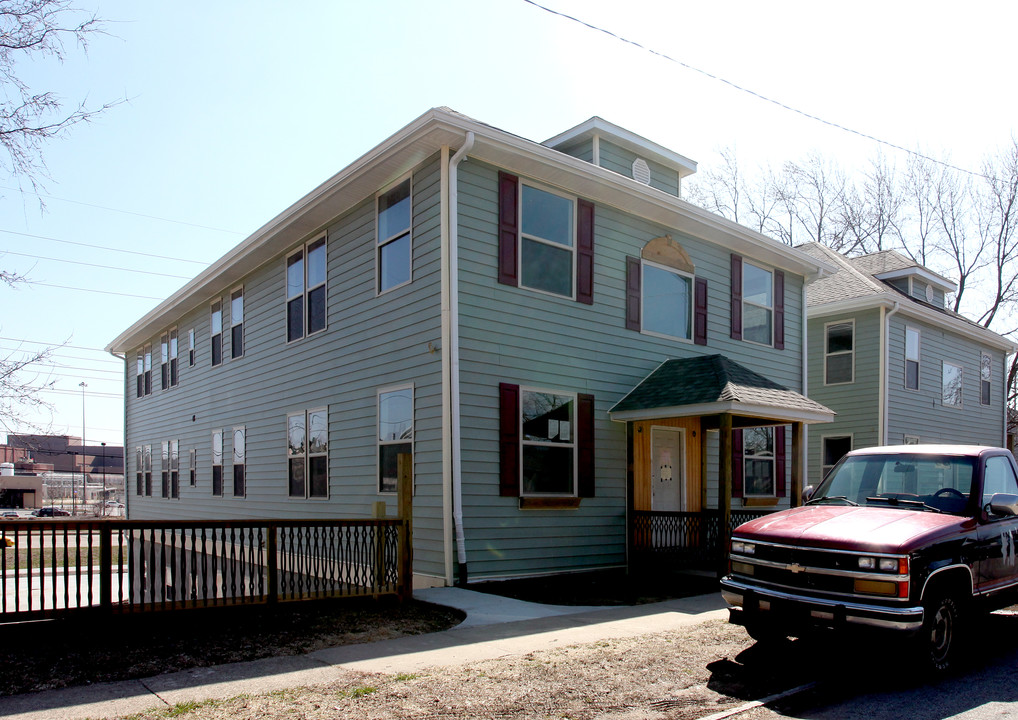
(106, 567)
(272, 562)
(406, 535)
(378, 512)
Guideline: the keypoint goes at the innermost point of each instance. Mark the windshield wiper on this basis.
(840, 498)
(895, 501)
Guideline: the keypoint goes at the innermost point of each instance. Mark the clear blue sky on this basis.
(236, 109)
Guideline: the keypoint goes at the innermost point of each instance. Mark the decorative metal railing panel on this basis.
(684, 539)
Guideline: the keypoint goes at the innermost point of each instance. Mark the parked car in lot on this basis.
(911, 539)
(10, 515)
(51, 512)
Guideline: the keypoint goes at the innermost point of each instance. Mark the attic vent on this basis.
(641, 171)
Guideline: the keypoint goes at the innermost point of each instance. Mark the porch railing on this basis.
(55, 567)
(683, 539)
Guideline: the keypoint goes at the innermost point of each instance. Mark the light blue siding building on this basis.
(894, 363)
(489, 306)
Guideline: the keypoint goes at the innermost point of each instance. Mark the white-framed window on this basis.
(395, 434)
(147, 449)
(239, 461)
(833, 448)
(237, 323)
(547, 443)
(985, 371)
(547, 241)
(174, 373)
(165, 468)
(190, 347)
(216, 325)
(217, 463)
(139, 470)
(911, 440)
(306, 271)
(839, 353)
(164, 365)
(148, 369)
(394, 237)
(759, 477)
(307, 451)
(757, 304)
(953, 378)
(174, 468)
(193, 467)
(912, 349)
(141, 373)
(666, 298)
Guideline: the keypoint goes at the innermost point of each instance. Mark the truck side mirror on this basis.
(1004, 504)
(807, 493)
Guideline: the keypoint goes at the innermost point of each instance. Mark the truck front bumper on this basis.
(749, 603)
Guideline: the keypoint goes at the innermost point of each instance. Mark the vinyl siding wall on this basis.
(621, 161)
(856, 403)
(371, 342)
(515, 335)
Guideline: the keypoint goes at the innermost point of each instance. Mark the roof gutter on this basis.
(454, 355)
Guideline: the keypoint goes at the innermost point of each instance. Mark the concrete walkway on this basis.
(495, 627)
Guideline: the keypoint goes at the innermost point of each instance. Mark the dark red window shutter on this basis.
(700, 312)
(779, 310)
(738, 465)
(736, 297)
(780, 483)
(585, 252)
(509, 439)
(508, 228)
(585, 445)
(633, 279)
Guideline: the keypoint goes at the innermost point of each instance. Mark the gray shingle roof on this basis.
(712, 379)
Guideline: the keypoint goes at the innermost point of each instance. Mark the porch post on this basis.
(725, 489)
(797, 464)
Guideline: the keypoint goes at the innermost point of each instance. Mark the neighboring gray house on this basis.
(894, 363)
(486, 304)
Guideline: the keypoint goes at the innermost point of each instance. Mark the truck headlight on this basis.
(867, 563)
(743, 548)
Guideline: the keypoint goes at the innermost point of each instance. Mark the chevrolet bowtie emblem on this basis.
(795, 568)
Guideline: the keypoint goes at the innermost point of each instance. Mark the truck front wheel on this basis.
(939, 638)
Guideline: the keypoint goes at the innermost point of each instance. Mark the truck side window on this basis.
(998, 478)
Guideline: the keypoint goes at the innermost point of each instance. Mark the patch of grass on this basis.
(403, 677)
(357, 692)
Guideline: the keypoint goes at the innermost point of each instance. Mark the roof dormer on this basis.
(614, 148)
(920, 283)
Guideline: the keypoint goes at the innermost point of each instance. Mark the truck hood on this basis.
(871, 529)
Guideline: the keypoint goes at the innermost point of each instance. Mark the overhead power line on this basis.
(757, 95)
(103, 247)
(101, 292)
(95, 265)
(54, 345)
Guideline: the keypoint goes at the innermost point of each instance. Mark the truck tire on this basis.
(940, 637)
(764, 632)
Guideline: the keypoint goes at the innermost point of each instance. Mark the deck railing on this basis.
(683, 539)
(55, 568)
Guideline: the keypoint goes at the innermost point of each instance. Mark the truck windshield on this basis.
(940, 483)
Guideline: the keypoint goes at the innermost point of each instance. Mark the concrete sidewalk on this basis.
(494, 627)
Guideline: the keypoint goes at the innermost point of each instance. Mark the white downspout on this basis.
(885, 374)
(454, 354)
(805, 384)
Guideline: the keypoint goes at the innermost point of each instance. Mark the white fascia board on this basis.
(937, 281)
(766, 412)
(910, 308)
(624, 138)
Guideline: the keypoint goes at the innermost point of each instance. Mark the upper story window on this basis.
(547, 250)
(216, 323)
(237, 323)
(190, 347)
(912, 343)
(395, 434)
(174, 375)
(757, 304)
(953, 376)
(985, 367)
(305, 290)
(839, 357)
(141, 374)
(148, 370)
(308, 453)
(395, 217)
(548, 439)
(164, 365)
(667, 297)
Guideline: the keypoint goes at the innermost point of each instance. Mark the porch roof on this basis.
(714, 385)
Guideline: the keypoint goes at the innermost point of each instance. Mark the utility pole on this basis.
(84, 492)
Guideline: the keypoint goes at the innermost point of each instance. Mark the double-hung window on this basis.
(667, 297)
(912, 344)
(395, 245)
(148, 369)
(839, 357)
(217, 462)
(174, 375)
(165, 468)
(193, 467)
(985, 368)
(237, 323)
(305, 290)
(395, 434)
(548, 440)
(239, 458)
(174, 468)
(148, 470)
(139, 471)
(308, 453)
(759, 462)
(757, 304)
(953, 376)
(164, 365)
(190, 347)
(216, 322)
(547, 247)
(141, 374)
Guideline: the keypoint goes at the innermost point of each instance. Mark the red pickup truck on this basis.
(911, 539)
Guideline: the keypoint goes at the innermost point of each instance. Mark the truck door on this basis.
(996, 563)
